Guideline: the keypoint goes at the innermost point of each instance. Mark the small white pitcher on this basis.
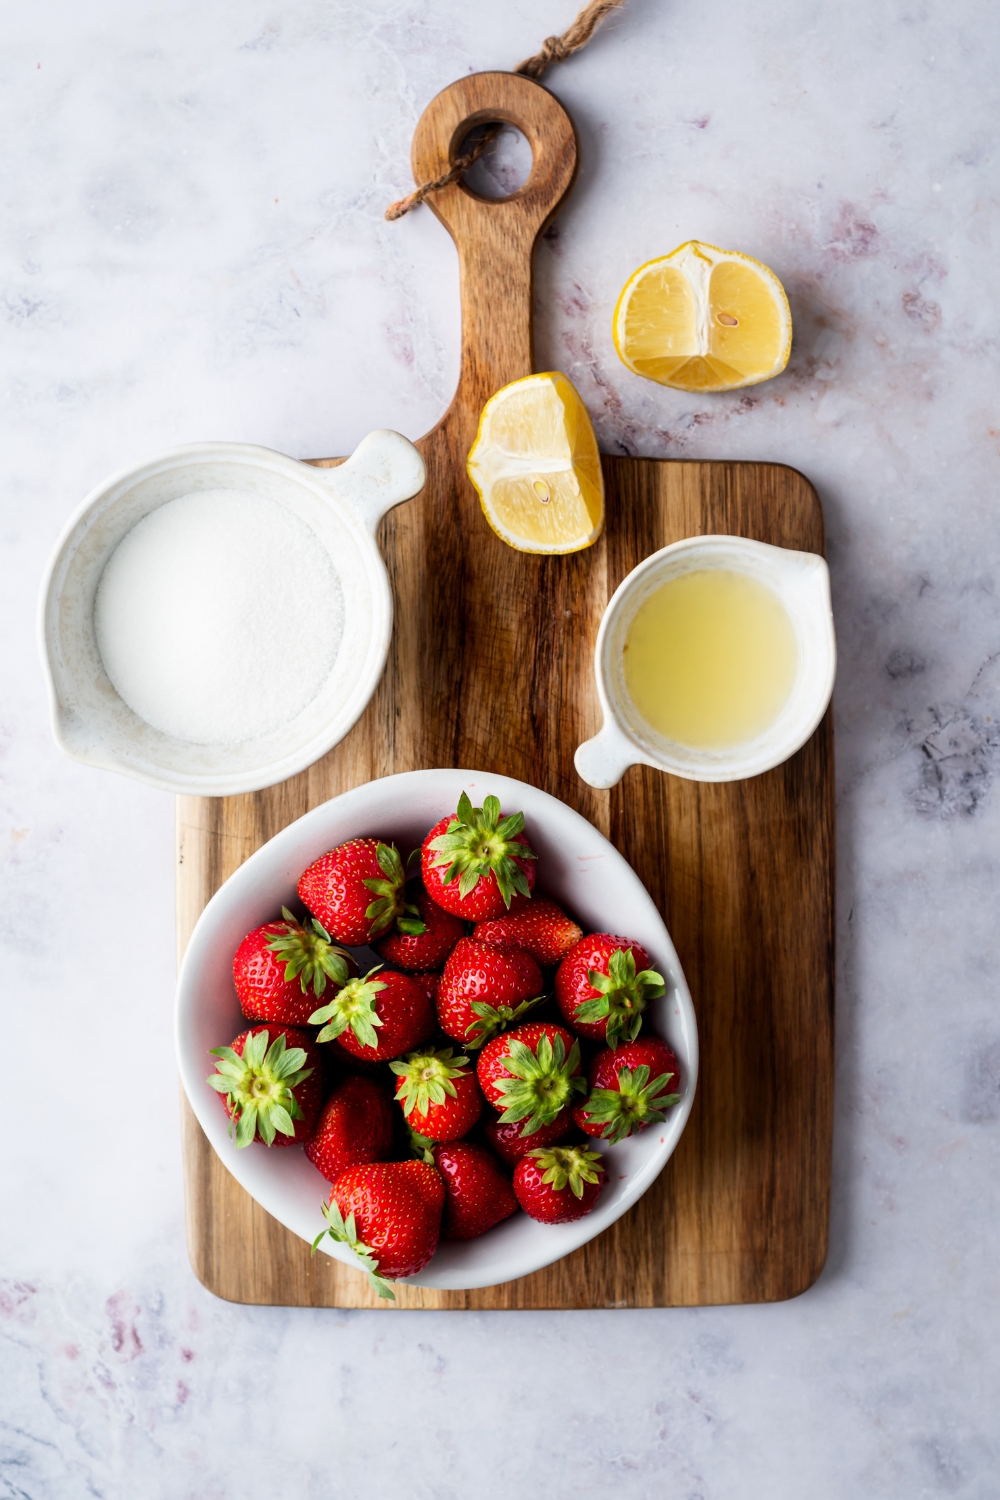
(801, 580)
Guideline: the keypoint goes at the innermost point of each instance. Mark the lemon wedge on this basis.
(536, 466)
(703, 319)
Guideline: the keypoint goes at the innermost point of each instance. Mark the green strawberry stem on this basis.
(309, 954)
(634, 1103)
(390, 904)
(494, 1018)
(543, 1082)
(421, 1146)
(259, 1087)
(622, 996)
(478, 843)
(568, 1166)
(353, 1006)
(347, 1234)
(427, 1078)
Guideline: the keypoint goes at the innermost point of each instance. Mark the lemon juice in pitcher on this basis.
(710, 658)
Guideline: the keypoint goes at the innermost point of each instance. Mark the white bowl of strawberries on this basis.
(477, 1063)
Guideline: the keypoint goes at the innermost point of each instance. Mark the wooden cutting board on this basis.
(491, 668)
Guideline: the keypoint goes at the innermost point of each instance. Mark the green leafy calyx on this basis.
(543, 1082)
(345, 1233)
(491, 1019)
(352, 1006)
(636, 1102)
(390, 904)
(568, 1166)
(259, 1085)
(309, 954)
(622, 996)
(478, 843)
(425, 1078)
(422, 1146)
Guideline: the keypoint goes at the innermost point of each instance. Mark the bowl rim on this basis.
(560, 1240)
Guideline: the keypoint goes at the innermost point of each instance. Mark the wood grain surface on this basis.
(491, 667)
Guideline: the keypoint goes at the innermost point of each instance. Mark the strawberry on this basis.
(358, 892)
(427, 949)
(510, 1144)
(538, 926)
(558, 1183)
(389, 1213)
(599, 991)
(631, 1088)
(356, 1126)
(270, 1082)
(531, 1073)
(429, 983)
(394, 1004)
(484, 988)
(477, 1195)
(475, 859)
(440, 1100)
(279, 968)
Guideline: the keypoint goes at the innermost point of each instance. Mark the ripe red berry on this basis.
(270, 1084)
(356, 1126)
(474, 860)
(358, 891)
(484, 988)
(427, 949)
(280, 969)
(538, 926)
(378, 1017)
(631, 1087)
(438, 1092)
(604, 984)
(389, 1214)
(559, 1183)
(510, 1143)
(477, 1194)
(531, 1073)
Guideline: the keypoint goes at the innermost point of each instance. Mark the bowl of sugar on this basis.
(216, 619)
(715, 661)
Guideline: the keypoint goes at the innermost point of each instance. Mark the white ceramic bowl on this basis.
(576, 865)
(801, 581)
(341, 505)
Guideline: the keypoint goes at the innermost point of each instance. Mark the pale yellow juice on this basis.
(710, 658)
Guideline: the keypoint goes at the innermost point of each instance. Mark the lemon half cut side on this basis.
(536, 466)
(703, 319)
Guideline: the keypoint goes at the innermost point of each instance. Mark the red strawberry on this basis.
(484, 988)
(508, 1142)
(631, 1088)
(538, 926)
(441, 1101)
(477, 1194)
(356, 1126)
(358, 891)
(279, 968)
(389, 1213)
(427, 949)
(474, 860)
(270, 1082)
(531, 1073)
(599, 991)
(393, 1003)
(559, 1183)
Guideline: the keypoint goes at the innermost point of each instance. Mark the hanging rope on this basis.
(554, 49)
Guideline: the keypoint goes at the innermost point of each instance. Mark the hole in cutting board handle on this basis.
(503, 168)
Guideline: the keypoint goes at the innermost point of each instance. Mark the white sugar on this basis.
(219, 616)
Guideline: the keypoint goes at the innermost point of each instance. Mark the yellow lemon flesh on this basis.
(704, 319)
(536, 466)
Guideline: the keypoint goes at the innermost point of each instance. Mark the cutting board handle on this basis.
(495, 237)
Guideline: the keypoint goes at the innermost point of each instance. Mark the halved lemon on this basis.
(704, 319)
(536, 466)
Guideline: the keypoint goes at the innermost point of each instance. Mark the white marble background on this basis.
(193, 247)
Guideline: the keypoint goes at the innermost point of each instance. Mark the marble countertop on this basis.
(193, 247)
